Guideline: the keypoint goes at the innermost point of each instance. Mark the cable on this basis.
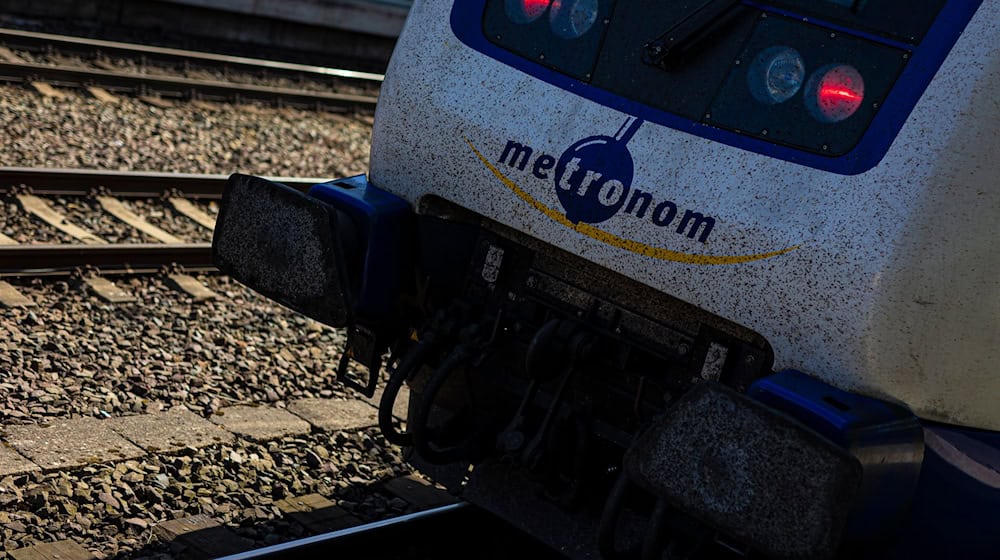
(419, 429)
(408, 366)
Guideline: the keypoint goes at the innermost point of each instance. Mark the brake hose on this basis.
(409, 365)
(418, 429)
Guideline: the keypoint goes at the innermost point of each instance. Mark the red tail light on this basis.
(525, 11)
(834, 93)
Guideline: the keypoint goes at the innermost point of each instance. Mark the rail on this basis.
(126, 184)
(16, 38)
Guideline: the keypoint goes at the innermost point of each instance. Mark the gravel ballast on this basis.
(74, 356)
(82, 132)
(111, 508)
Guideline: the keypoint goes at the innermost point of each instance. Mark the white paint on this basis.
(895, 291)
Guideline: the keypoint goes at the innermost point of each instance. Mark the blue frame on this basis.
(926, 59)
(381, 218)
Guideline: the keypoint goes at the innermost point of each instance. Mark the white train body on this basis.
(716, 262)
(885, 282)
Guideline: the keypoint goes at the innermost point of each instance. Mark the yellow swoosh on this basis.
(620, 242)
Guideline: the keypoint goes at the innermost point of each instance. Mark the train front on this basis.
(709, 277)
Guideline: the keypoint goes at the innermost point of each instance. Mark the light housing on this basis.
(776, 75)
(525, 11)
(571, 19)
(834, 93)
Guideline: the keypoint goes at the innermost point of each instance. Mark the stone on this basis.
(261, 422)
(71, 443)
(170, 431)
(11, 462)
(334, 415)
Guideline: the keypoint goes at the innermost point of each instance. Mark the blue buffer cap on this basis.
(380, 245)
(887, 439)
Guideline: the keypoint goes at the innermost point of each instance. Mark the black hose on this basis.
(419, 429)
(411, 362)
(609, 518)
(535, 355)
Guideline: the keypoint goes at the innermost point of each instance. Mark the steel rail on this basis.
(126, 184)
(43, 260)
(320, 545)
(177, 87)
(16, 38)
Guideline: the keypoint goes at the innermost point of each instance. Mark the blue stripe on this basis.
(901, 45)
(466, 23)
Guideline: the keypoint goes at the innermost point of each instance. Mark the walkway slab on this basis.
(59, 550)
(12, 462)
(332, 415)
(261, 422)
(316, 513)
(170, 431)
(71, 443)
(200, 536)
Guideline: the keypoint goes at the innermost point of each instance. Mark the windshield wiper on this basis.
(691, 34)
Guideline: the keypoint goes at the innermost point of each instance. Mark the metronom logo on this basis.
(593, 182)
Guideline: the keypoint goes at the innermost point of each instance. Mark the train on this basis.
(674, 279)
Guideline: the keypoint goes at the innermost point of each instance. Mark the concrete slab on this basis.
(10, 297)
(261, 422)
(170, 431)
(59, 550)
(47, 90)
(102, 95)
(191, 286)
(316, 513)
(71, 443)
(333, 415)
(118, 209)
(10, 56)
(418, 492)
(45, 212)
(108, 290)
(200, 536)
(12, 462)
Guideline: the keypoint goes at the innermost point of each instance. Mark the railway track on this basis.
(110, 258)
(176, 479)
(159, 66)
(90, 255)
(34, 41)
(126, 184)
(454, 531)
